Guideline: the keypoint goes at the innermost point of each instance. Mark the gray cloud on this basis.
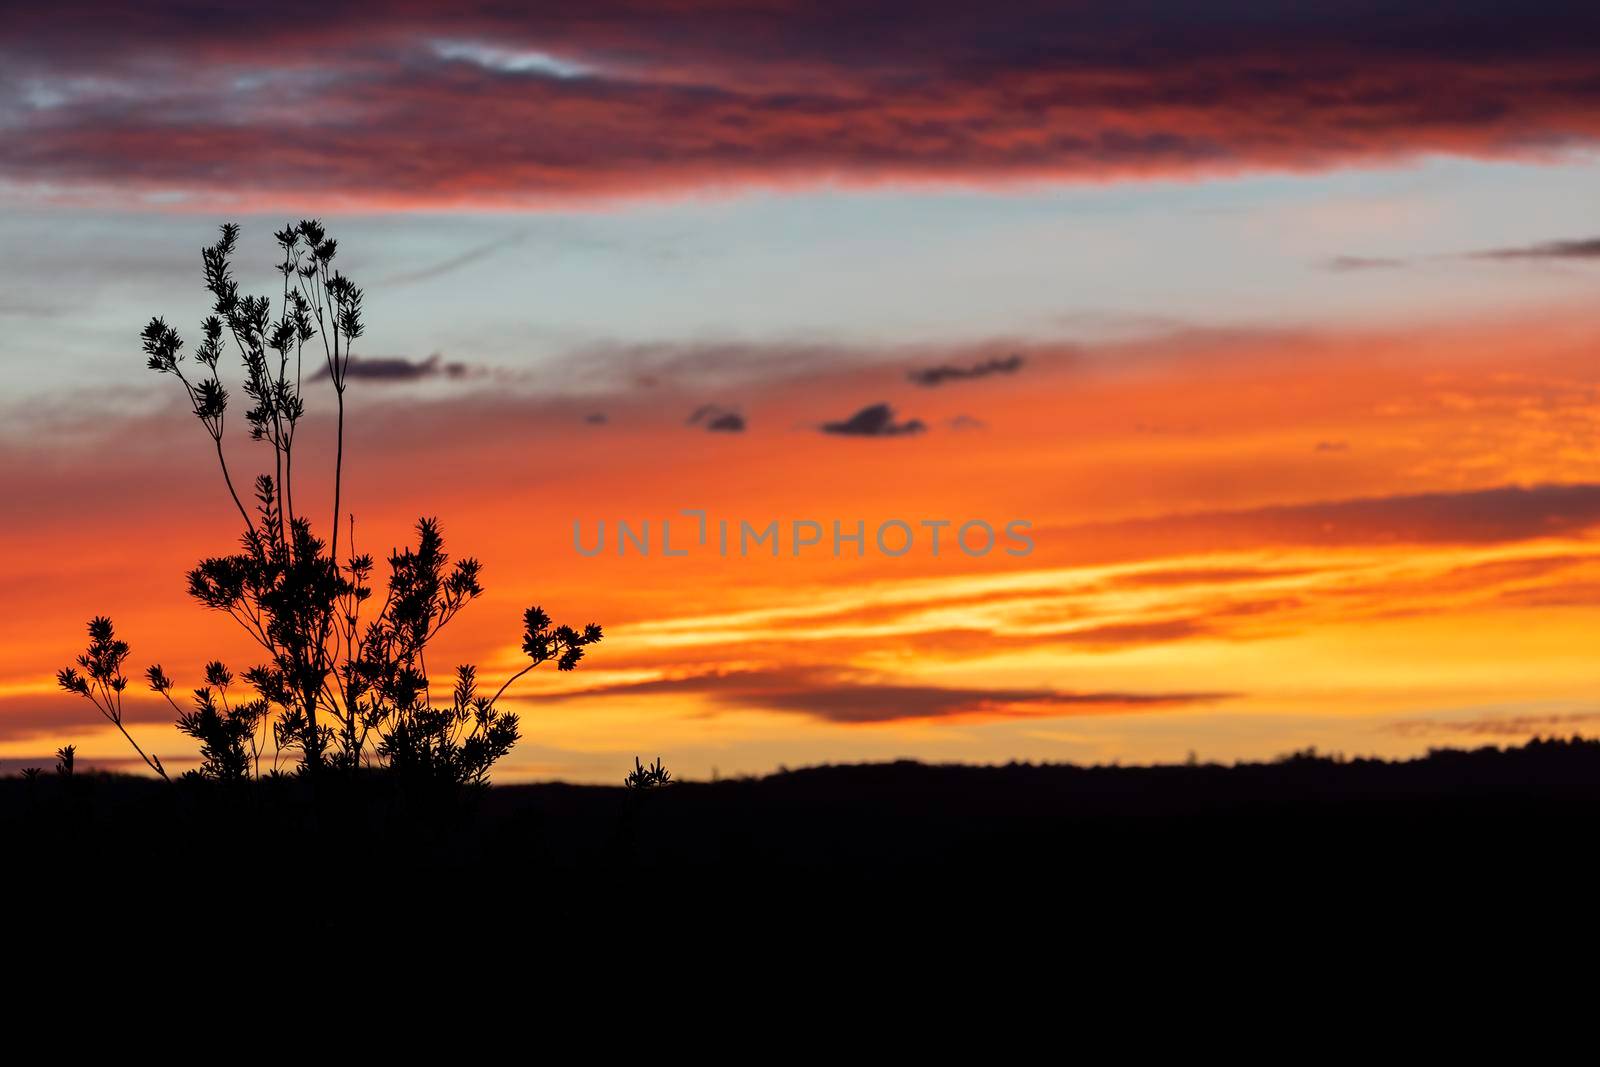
(874, 421)
(1355, 263)
(717, 420)
(400, 369)
(1587, 248)
(1581, 249)
(945, 372)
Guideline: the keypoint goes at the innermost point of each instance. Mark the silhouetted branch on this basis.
(102, 680)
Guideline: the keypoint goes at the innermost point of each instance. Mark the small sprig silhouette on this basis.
(542, 643)
(66, 756)
(651, 777)
(102, 681)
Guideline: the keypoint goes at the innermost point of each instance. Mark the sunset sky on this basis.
(1277, 323)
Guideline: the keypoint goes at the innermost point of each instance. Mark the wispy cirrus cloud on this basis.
(403, 104)
(453, 263)
(1586, 248)
(1359, 263)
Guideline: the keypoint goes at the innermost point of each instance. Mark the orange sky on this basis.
(1245, 541)
(1301, 415)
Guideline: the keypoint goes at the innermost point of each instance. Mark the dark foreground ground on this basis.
(1484, 837)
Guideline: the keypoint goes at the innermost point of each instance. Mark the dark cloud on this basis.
(1486, 516)
(888, 703)
(62, 717)
(874, 421)
(1131, 634)
(717, 420)
(842, 697)
(1490, 515)
(400, 369)
(715, 367)
(709, 367)
(938, 375)
(1569, 593)
(1589, 248)
(1583, 249)
(595, 418)
(1333, 446)
(1354, 263)
(407, 102)
(1517, 726)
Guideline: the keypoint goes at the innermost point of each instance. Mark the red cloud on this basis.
(405, 104)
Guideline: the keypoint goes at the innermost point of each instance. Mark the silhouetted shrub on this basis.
(340, 688)
(651, 777)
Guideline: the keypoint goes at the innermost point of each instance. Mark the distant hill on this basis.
(1453, 829)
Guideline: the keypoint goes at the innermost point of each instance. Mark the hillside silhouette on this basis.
(1456, 826)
